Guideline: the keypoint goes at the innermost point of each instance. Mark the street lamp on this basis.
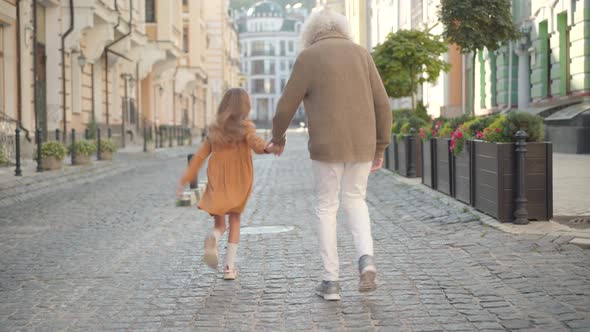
(82, 60)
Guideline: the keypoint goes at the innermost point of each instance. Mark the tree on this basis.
(409, 58)
(477, 24)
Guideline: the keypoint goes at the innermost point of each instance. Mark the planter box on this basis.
(444, 170)
(494, 180)
(403, 153)
(106, 155)
(51, 163)
(391, 159)
(429, 163)
(82, 159)
(462, 174)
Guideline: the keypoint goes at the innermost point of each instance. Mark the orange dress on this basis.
(230, 174)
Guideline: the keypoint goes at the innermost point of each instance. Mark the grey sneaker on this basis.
(368, 273)
(210, 256)
(329, 290)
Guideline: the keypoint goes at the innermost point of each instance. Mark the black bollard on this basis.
(411, 158)
(57, 134)
(194, 182)
(73, 148)
(109, 133)
(160, 135)
(521, 215)
(17, 171)
(86, 134)
(38, 141)
(144, 137)
(98, 144)
(169, 132)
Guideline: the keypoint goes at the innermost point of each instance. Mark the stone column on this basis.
(524, 78)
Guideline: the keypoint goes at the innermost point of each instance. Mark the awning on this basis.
(569, 112)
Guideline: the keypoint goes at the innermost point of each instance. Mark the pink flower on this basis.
(438, 124)
(459, 134)
(479, 135)
(498, 130)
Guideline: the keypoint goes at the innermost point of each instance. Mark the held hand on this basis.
(377, 164)
(277, 150)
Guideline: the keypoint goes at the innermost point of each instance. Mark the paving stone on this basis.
(116, 254)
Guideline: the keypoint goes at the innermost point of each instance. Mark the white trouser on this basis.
(353, 178)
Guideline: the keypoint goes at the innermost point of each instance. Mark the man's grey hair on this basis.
(321, 21)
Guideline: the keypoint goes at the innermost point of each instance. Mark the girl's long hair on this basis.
(231, 124)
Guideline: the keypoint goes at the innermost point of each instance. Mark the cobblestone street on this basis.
(118, 255)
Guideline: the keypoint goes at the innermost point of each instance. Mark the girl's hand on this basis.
(179, 190)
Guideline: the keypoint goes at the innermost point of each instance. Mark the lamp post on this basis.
(129, 81)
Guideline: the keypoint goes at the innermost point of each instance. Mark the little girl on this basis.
(230, 172)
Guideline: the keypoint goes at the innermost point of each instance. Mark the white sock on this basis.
(230, 255)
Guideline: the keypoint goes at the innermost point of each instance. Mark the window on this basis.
(257, 48)
(269, 67)
(185, 39)
(291, 46)
(150, 11)
(283, 52)
(283, 65)
(283, 83)
(257, 67)
(258, 86)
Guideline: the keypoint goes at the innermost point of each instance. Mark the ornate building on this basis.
(269, 37)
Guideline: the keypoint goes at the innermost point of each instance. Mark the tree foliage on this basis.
(477, 24)
(409, 58)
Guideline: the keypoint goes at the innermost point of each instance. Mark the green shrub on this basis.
(401, 113)
(422, 112)
(455, 122)
(84, 147)
(497, 131)
(478, 124)
(108, 146)
(531, 124)
(53, 149)
(3, 157)
(445, 131)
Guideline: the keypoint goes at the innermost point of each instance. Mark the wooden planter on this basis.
(494, 168)
(444, 170)
(462, 174)
(106, 155)
(391, 159)
(429, 163)
(82, 159)
(404, 157)
(51, 163)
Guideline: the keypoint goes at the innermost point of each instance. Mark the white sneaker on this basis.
(229, 274)
(210, 256)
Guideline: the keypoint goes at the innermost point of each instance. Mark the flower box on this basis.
(462, 174)
(494, 180)
(51, 163)
(391, 154)
(443, 166)
(82, 159)
(407, 155)
(428, 163)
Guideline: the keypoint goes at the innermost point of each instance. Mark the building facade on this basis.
(118, 64)
(269, 37)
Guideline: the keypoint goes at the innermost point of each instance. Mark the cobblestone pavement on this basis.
(118, 255)
(571, 184)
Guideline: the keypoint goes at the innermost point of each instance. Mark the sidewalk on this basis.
(32, 183)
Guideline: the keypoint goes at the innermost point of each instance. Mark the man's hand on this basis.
(377, 164)
(277, 150)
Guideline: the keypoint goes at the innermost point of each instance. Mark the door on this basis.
(41, 90)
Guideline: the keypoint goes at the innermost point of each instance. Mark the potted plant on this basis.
(3, 157)
(407, 154)
(494, 168)
(84, 149)
(107, 148)
(52, 155)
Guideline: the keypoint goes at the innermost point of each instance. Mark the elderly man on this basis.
(349, 129)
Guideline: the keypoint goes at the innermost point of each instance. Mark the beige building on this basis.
(222, 56)
(119, 64)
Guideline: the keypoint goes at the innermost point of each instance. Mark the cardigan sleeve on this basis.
(292, 96)
(196, 163)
